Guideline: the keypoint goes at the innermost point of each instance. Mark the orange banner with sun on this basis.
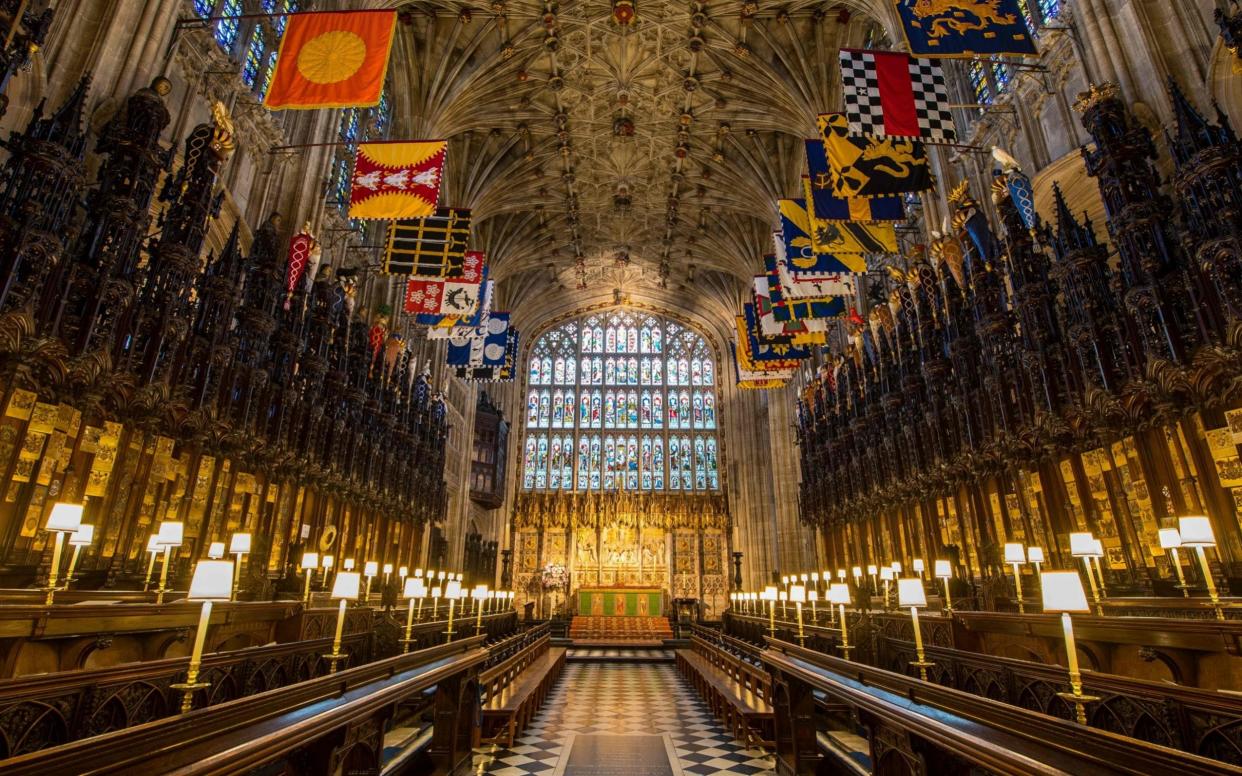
(332, 60)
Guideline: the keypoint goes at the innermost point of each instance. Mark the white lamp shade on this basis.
(1170, 538)
(1015, 553)
(64, 517)
(479, 593)
(871, 570)
(310, 560)
(1062, 592)
(387, 568)
(346, 585)
(216, 550)
(458, 577)
(212, 581)
(784, 580)
(1082, 544)
(439, 575)
(896, 567)
(349, 564)
(814, 596)
(403, 572)
(172, 533)
(783, 595)
(769, 593)
(918, 565)
(83, 536)
(510, 595)
(328, 561)
(840, 574)
(1195, 531)
(418, 572)
(1035, 554)
(815, 576)
(452, 589)
(839, 593)
(886, 573)
(910, 592)
(797, 594)
(437, 592)
(371, 569)
(239, 543)
(153, 543)
(415, 588)
(1097, 548)
(944, 570)
(857, 572)
(804, 578)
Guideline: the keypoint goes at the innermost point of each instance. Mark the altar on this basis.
(620, 602)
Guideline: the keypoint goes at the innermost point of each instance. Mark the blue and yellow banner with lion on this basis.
(965, 28)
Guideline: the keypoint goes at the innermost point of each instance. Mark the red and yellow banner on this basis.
(332, 60)
(397, 180)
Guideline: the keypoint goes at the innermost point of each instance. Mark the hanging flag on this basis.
(431, 247)
(872, 167)
(891, 94)
(833, 208)
(503, 373)
(301, 248)
(470, 349)
(846, 237)
(786, 309)
(763, 349)
(965, 28)
(797, 245)
(453, 296)
(805, 285)
(756, 379)
(397, 180)
(332, 60)
(807, 331)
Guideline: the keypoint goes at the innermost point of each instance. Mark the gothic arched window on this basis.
(618, 437)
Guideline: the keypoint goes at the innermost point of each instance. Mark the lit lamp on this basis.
(871, 572)
(813, 596)
(369, 571)
(886, 576)
(63, 519)
(797, 594)
(436, 592)
(896, 565)
(328, 562)
(769, 595)
(403, 572)
(1062, 592)
(1015, 555)
(784, 599)
(452, 591)
(1099, 566)
(1036, 555)
(78, 539)
(388, 572)
(153, 549)
(944, 570)
(857, 571)
(215, 551)
(1195, 532)
(910, 593)
(815, 582)
(1082, 545)
(733, 600)
(171, 534)
(839, 594)
(480, 597)
(415, 590)
(1171, 539)
(349, 564)
(239, 545)
(212, 581)
(840, 576)
(344, 589)
(919, 568)
(310, 560)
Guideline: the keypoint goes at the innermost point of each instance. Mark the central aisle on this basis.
(625, 699)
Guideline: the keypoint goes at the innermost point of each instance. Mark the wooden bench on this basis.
(515, 689)
(737, 693)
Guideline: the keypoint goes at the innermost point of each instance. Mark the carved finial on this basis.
(959, 192)
(1094, 95)
(222, 143)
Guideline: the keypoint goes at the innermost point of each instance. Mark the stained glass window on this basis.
(229, 25)
(979, 82)
(254, 56)
(203, 7)
(603, 394)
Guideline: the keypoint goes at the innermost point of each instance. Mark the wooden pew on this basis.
(327, 725)
(942, 730)
(515, 688)
(736, 691)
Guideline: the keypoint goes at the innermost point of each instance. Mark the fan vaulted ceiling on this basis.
(601, 158)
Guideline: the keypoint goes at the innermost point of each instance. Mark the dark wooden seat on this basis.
(736, 692)
(516, 688)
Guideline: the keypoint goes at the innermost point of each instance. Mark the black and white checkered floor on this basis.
(625, 698)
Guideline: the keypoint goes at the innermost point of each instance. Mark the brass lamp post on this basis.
(769, 595)
(783, 597)
(78, 539)
(886, 576)
(1062, 592)
(212, 581)
(310, 560)
(239, 546)
(328, 563)
(910, 594)
(345, 588)
(387, 572)
(797, 594)
(370, 570)
(402, 573)
(1197, 532)
(1015, 555)
(839, 595)
(172, 533)
(1036, 555)
(1171, 540)
(813, 597)
(479, 594)
(944, 570)
(153, 549)
(64, 519)
(1082, 545)
(871, 572)
(436, 593)
(415, 590)
(919, 568)
(452, 591)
